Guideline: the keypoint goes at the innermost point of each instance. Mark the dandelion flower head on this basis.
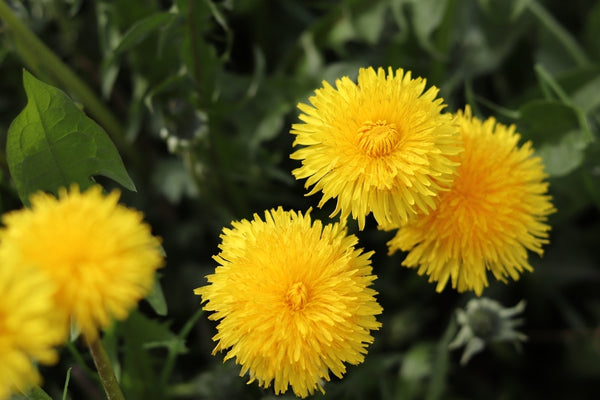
(381, 145)
(495, 211)
(292, 299)
(30, 326)
(100, 254)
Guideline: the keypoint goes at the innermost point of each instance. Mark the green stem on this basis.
(66, 387)
(175, 350)
(105, 370)
(547, 79)
(440, 366)
(559, 32)
(41, 59)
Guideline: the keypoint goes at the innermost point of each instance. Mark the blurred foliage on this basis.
(204, 93)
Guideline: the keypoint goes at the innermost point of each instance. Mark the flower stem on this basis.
(105, 370)
(560, 33)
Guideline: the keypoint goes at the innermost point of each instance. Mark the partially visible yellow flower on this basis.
(30, 326)
(381, 146)
(101, 254)
(292, 299)
(495, 211)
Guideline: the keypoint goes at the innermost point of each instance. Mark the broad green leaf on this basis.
(369, 22)
(587, 97)
(312, 62)
(565, 156)
(427, 17)
(341, 31)
(546, 120)
(173, 181)
(270, 126)
(551, 87)
(141, 336)
(37, 393)
(151, 333)
(417, 362)
(138, 378)
(397, 11)
(53, 144)
(590, 182)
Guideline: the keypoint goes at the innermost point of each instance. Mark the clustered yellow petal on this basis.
(292, 299)
(381, 146)
(494, 212)
(30, 325)
(100, 254)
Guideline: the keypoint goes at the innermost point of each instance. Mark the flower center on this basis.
(378, 138)
(296, 296)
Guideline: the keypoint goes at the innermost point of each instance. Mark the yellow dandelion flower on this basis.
(494, 212)
(30, 326)
(381, 146)
(292, 299)
(100, 254)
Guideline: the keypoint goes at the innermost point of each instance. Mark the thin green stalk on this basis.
(547, 79)
(80, 361)
(105, 370)
(439, 373)
(559, 32)
(40, 58)
(174, 350)
(66, 387)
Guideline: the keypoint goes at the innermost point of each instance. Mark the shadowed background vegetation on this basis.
(199, 97)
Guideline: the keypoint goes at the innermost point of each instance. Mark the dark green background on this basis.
(206, 93)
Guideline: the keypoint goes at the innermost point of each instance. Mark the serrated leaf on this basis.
(53, 144)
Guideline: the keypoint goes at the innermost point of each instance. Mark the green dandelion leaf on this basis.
(53, 144)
